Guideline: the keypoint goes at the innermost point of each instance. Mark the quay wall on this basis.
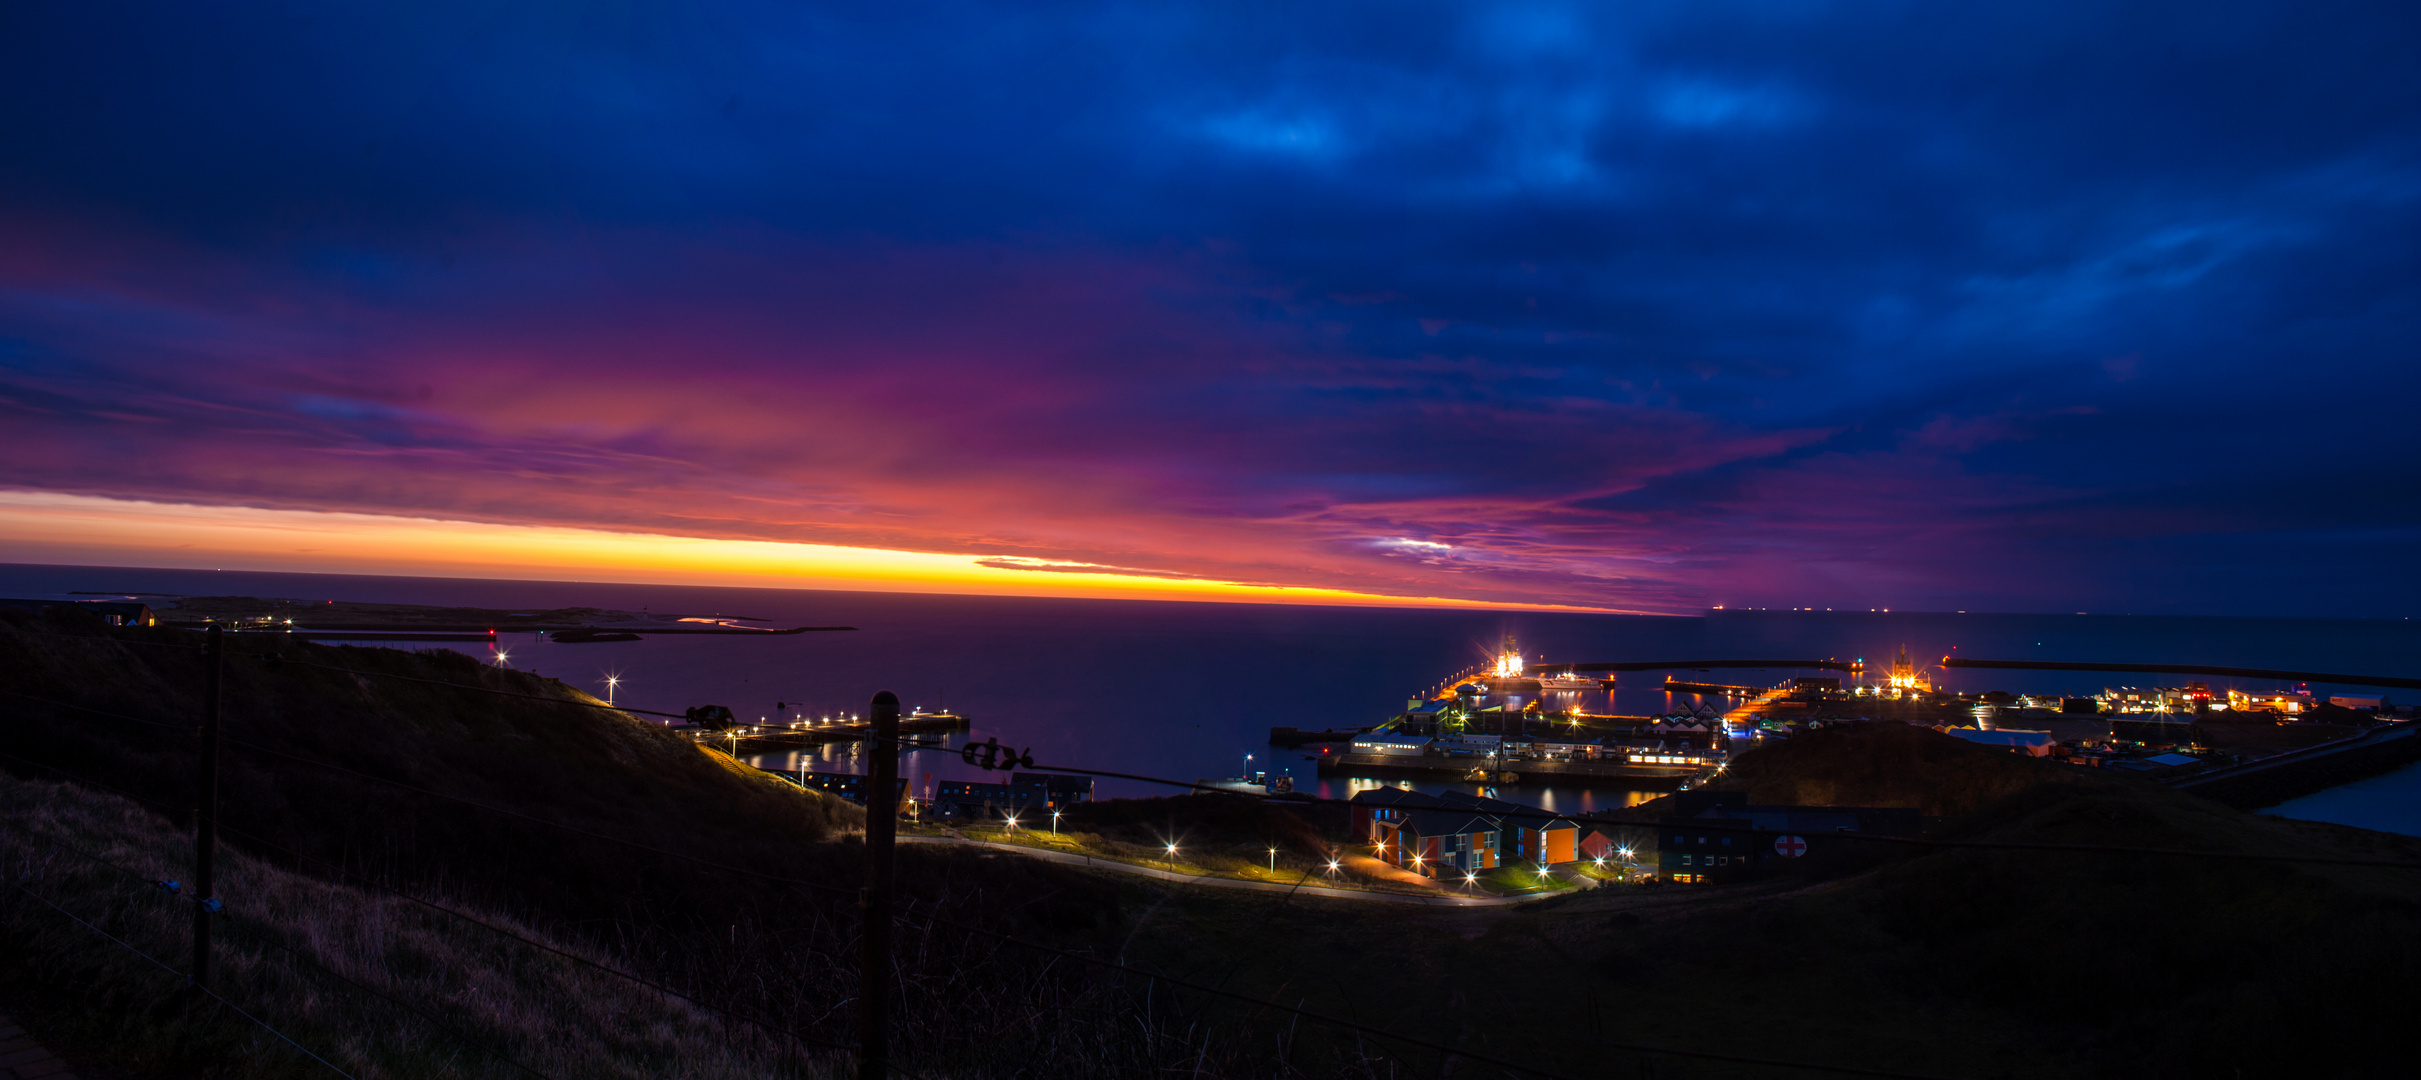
(2293, 776)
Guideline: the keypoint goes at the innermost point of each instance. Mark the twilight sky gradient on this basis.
(2081, 306)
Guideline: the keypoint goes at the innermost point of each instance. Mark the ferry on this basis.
(1509, 669)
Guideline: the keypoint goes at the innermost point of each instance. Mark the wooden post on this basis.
(874, 936)
(206, 808)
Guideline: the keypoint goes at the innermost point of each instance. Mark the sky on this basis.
(1643, 307)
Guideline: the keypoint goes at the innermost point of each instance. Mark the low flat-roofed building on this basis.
(1439, 842)
(1726, 839)
(1058, 790)
(850, 786)
(978, 801)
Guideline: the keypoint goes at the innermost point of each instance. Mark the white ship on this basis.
(1510, 668)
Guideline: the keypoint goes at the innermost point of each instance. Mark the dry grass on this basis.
(288, 942)
(968, 1005)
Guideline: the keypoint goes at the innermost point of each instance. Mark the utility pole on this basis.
(874, 937)
(206, 808)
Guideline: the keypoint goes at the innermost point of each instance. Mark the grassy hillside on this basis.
(768, 948)
(1949, 962)
(290, 944)
(1946, 962)
(1891, 765)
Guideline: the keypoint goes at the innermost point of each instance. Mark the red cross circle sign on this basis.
(1791, 847)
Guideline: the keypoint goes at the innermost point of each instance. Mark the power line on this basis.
(937, 921)
(1281, 799)
(931, 921)
(1321, 1018)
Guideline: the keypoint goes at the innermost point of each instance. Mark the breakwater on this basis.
(2274, 780)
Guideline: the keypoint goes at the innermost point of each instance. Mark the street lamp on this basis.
(1332, 867)
(1012, 823)
(611, 681)
(1054, 822)
(1172, 858)
(1273, 862)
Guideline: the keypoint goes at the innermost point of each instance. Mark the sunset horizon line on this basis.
(82, 530)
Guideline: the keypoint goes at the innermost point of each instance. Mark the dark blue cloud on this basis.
(1535, 280)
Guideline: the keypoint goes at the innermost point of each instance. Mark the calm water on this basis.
(1187, 690)
(2389, 803)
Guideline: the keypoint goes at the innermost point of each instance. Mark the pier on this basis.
(761, 738)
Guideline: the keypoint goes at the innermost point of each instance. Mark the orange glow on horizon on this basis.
(45, 527)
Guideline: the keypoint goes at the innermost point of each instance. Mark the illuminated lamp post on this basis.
(1172, 858)
(1273, 862)
(1054, 822)
(611, 682)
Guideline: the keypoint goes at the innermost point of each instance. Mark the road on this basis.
(1305, 889)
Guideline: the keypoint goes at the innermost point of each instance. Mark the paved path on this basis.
(20, 1059)
(1307, 889)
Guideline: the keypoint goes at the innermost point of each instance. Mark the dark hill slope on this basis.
(769, 947)
(1949, 962)
(1890, 764)
(2137, 962)
(561, 758)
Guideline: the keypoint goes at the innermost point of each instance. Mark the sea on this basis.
(1189, 691)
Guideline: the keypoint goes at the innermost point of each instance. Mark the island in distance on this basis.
(338, 620)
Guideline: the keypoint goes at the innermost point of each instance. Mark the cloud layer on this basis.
(1655, 307)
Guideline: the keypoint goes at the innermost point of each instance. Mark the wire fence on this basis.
(928, 921)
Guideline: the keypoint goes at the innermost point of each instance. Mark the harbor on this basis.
(1505, 724)
(1502, 724)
